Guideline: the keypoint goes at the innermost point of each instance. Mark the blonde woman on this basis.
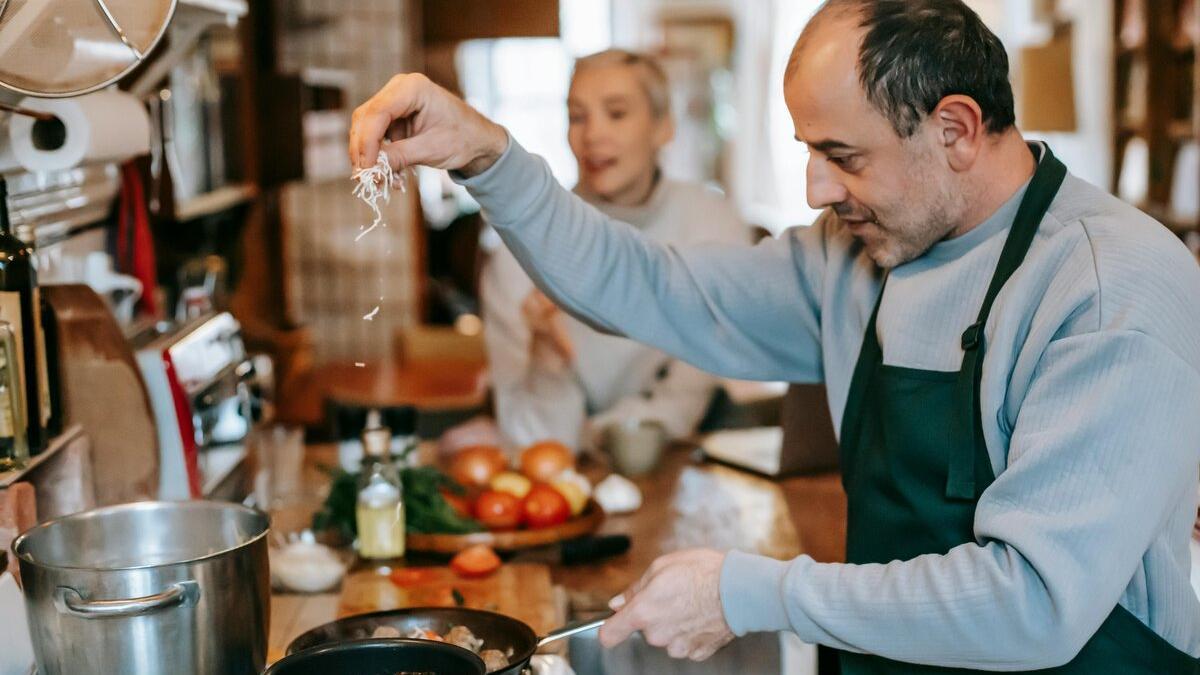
(553, 376)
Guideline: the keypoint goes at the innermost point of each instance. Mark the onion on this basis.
(475, 466)
(544, 461)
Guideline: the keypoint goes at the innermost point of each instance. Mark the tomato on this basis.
(545, 507)
(476, 561)
(460, 503)
(498, 510)
(407, 577)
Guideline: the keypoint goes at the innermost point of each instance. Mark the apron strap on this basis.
(961, 482)
(869, 357)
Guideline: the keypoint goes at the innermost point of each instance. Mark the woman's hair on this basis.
(649, 73)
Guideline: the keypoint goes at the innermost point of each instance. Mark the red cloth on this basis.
(135, 244)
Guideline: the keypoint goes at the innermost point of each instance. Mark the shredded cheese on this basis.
(374, 185)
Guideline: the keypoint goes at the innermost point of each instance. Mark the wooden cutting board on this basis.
(520, 590)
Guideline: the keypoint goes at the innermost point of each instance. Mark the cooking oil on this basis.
(380, 509)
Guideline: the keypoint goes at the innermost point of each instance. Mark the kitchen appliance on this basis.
(100, 390)
(149, 588)
(381, 656)
(803, 443)
(201, 384)
(496, 630)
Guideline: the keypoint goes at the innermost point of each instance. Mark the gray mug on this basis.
(636, 446)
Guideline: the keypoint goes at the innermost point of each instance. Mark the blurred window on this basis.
(522, 82)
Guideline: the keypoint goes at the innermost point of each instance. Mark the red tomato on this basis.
(498, 510)
(476, 561)
(545, 507)
(406, 577)
(460, 503)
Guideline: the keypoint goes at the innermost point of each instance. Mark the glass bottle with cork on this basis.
(380, 506)
(14, 448)
(20, 306)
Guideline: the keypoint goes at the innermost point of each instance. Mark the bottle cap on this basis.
(376, 438)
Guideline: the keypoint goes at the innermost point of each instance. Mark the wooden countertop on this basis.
(430, 385)
(687, 503)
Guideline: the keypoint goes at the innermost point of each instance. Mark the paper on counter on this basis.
(551, 665)
(16, 649)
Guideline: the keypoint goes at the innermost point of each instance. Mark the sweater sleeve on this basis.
(1104, 449)
(718, 307)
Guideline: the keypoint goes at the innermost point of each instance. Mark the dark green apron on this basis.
(914, 464)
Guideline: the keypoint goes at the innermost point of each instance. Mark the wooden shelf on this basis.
(216, 201)
(7, 478)
(1158, 79)
(1182, 130)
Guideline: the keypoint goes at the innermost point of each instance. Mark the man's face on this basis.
(898, 196)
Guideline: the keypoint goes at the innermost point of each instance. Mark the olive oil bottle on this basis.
(14, 450)
(379, 510)
(20, 306)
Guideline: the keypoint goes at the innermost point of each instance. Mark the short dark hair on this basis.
(917, 52)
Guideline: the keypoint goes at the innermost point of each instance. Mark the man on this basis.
(1012, 357)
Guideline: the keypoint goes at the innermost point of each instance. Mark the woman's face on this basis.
(614, 133)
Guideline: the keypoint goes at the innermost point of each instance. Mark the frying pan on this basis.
(381, 657)
(496, 630)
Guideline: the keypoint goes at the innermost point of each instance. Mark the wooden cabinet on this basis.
(443, 21)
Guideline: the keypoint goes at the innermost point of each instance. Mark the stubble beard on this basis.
(910, 234)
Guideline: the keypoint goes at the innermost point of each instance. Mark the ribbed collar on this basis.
(1000, 220)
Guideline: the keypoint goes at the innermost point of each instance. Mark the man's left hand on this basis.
(676, 605)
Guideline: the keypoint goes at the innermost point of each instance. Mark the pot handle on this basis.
(574, 629)
(70, 601)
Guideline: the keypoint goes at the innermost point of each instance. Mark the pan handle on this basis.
(574, 629)
(72, 602)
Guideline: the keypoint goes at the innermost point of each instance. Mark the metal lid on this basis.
(57, 48)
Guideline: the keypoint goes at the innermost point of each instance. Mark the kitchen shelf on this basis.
(192, 18)
(1181, 130)
(215, 202)
(63, 440)
(231, 9)
(1161, 110)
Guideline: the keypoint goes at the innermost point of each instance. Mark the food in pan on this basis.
(459, 636)
(493, 659)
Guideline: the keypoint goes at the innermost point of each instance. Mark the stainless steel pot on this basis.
(149, 588)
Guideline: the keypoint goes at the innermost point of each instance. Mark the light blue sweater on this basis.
(1090, 403)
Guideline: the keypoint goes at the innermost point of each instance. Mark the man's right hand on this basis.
(437, 129)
